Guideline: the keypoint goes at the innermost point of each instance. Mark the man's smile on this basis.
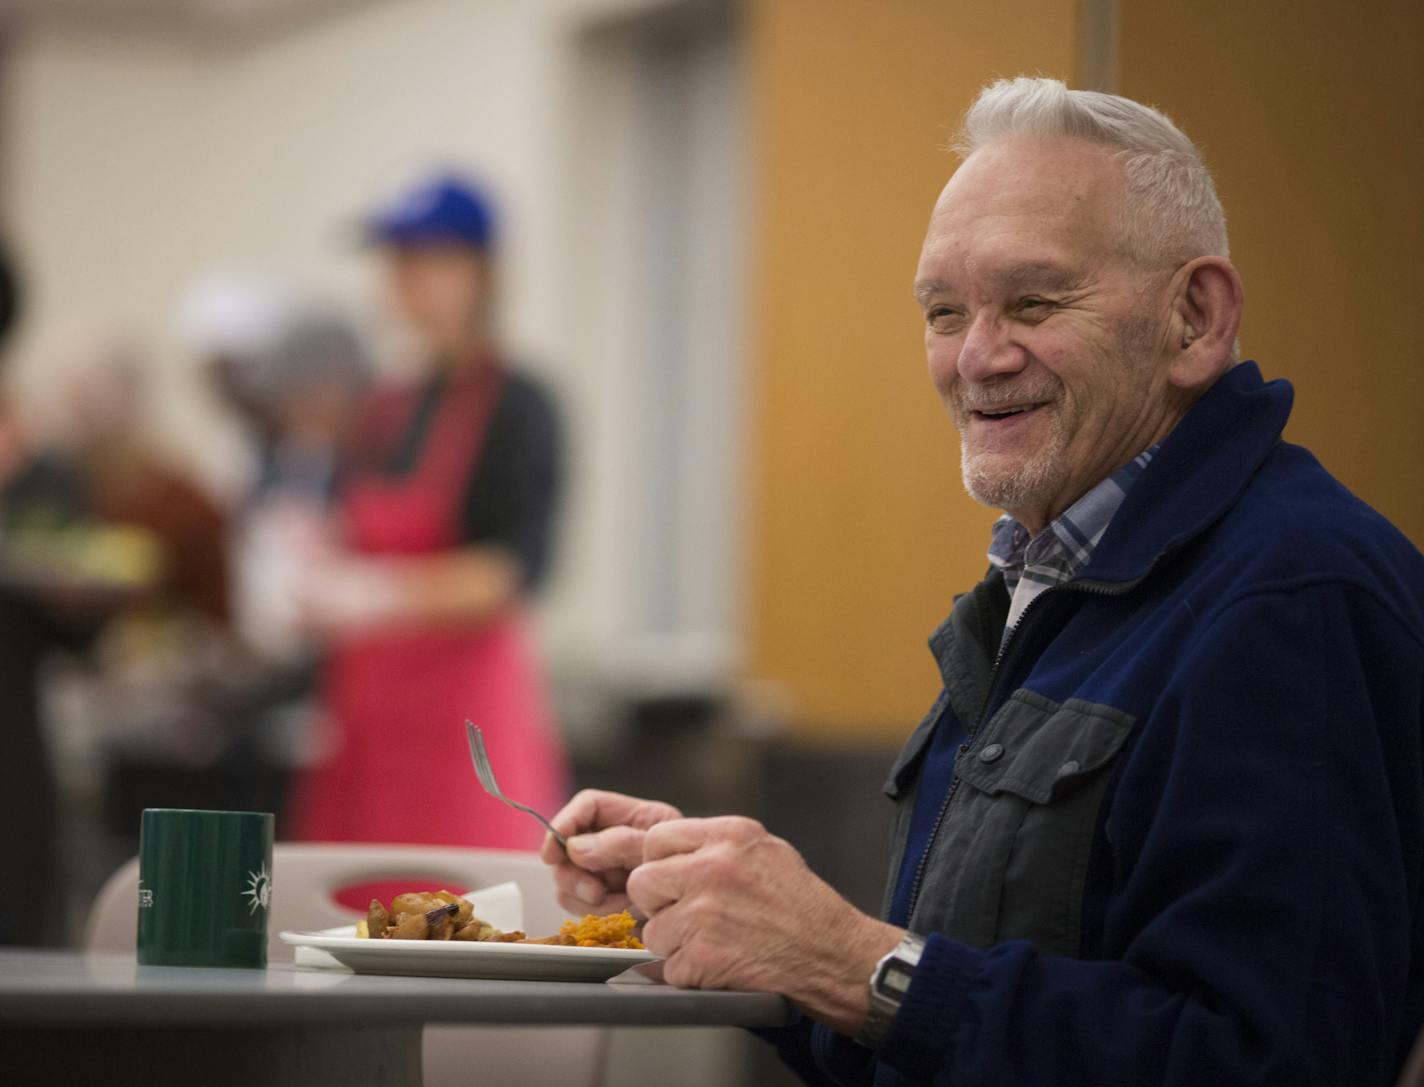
(989, 427)
(1006, 412)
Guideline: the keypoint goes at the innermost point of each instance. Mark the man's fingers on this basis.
(614, 903)
(589, 888)
(578, 814)
(665, 934)
(676, 836)
(656, 885)
(594, 809)
(578, 885)
(551, 852)
(616, 847)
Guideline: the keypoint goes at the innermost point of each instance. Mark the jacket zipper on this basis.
(1098, 588)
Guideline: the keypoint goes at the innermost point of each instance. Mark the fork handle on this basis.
(563, 842)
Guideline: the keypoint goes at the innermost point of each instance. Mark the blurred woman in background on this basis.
(447, 505)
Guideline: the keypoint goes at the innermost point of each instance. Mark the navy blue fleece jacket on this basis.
(1251, 910)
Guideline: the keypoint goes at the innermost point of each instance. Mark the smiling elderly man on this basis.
(1165, 823)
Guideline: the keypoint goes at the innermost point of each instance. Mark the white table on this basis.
(71, 1018)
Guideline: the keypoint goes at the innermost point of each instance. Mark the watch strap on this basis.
(889, 982)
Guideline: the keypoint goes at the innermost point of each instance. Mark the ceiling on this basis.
(205, 17)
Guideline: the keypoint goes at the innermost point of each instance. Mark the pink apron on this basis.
(399, 697)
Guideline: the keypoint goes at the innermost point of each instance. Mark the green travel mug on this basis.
(204, 887)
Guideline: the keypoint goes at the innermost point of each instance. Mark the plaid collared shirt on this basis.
(1055, 555)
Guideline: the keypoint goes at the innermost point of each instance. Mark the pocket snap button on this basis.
(1069, 767)
(991, 752)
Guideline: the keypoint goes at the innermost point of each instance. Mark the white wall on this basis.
(658, 263)
(135, 161)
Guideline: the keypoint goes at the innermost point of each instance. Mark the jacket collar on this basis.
(1197, 474)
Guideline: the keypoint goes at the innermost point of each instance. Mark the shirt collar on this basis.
(1064, 547)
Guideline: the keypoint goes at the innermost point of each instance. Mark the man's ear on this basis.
(1207, 311)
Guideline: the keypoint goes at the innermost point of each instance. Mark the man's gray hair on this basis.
(1172, 213)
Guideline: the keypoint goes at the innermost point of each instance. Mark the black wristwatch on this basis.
(888, 983)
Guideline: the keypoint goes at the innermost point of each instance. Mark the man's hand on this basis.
(731, 906)
(605, 833)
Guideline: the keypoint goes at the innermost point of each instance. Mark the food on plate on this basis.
(429, 915)
(440, 915)
(615, 930)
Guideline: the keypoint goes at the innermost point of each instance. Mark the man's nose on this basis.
(988, 351)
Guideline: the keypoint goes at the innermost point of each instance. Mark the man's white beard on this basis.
(989, 479)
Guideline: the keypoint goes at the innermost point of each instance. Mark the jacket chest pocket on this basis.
(1011, 858)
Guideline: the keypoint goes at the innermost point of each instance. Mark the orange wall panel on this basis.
(860, 532)
(1308, 111)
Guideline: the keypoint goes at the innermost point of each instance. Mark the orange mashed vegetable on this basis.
(615, 930)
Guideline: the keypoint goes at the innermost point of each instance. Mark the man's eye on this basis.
(942, 318)
(1034, 305)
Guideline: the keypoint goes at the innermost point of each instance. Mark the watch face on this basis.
(897, 979)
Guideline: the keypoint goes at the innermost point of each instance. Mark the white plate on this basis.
(468, 959)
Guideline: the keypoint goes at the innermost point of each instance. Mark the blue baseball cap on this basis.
(445, 208)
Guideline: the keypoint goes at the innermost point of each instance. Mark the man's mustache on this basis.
(978, 398)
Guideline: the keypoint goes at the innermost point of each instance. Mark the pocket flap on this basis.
(1039, 749)
(908, 759)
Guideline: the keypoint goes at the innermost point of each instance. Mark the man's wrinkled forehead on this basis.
(1060, 168)
(1060, 190)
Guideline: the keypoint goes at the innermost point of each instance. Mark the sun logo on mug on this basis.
(259, 889)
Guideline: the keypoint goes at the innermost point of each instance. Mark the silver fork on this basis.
(485, 773)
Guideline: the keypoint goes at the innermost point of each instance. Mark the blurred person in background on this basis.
(230, 325)
(128, 481)
(447, 508)
(293, 376)
(308, 389)
(191, 702)
(38, 616)
(161, 694)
